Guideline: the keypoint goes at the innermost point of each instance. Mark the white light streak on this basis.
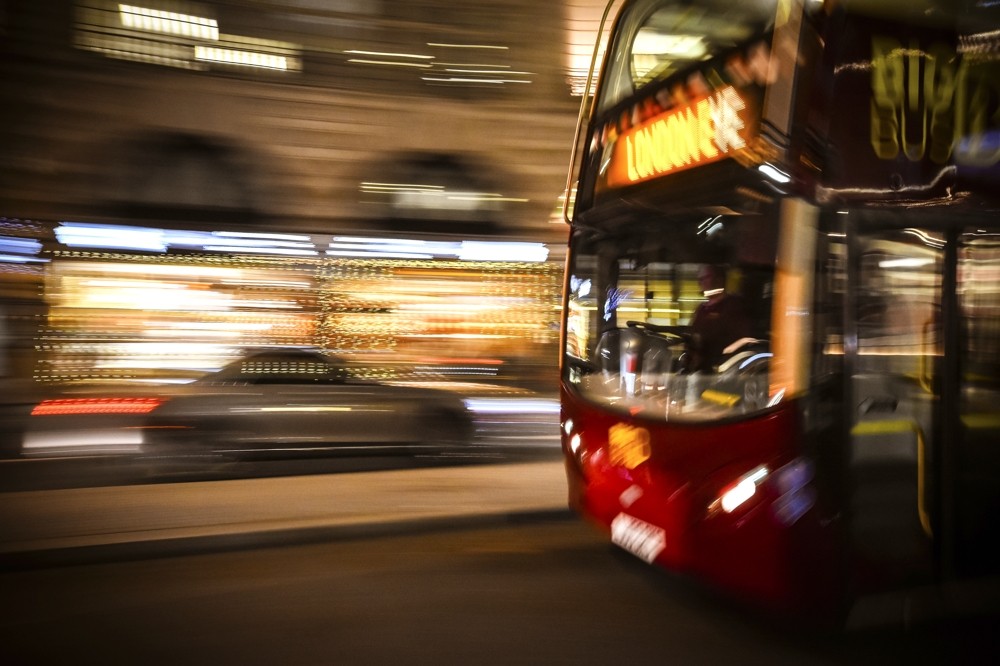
(774, 173)
(240, 58)
(468, 46)
(365, 61)
(500, 251)
(905, 262)
(269, 236)
(261, 250)
(171, 23)
(111, 236)
(512, 406)
(384, 54)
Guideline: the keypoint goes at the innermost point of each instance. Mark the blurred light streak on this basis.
(107, 236)
(176, 349)
(463, 250)
(83, 442)
(452, 370)
(302, 238)
(172, 23)
(464, 336)
(502, 251)
(146, 296)
(200, 326)
(774, 173)
(21, 259)
(76, 234)
(456, 79)
(182, 361)
(386, 54)
(399, 187)
(473, 70)
(241, 58)
(117, 316)
(267, 282)
(71, 406)
(512, 406)
(469, 46)
(262, 250)
(300, 408)
(484, 196)
(363, 61)
(169, 270)
(582, 24)
(906, 262)
(174, 38)
(20, 246)
(457, 308)
(376, 255)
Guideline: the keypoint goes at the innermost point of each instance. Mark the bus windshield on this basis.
(661, 39)
(672, 318)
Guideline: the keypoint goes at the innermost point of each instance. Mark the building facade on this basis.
(389, 115)
(360, 120)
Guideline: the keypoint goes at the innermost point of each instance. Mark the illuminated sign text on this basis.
(710, 129)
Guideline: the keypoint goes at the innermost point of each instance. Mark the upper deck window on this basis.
(660, 38)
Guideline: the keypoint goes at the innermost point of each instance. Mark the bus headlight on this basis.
(739, 492)
(574, 444)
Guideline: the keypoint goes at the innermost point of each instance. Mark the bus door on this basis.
(922, 344)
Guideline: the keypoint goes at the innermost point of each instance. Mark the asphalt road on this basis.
(526, 592)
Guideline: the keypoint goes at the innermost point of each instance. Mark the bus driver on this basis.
(718, 322)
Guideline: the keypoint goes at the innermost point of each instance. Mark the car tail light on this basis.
(80, 406)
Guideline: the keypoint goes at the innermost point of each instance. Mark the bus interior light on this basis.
(774, 173)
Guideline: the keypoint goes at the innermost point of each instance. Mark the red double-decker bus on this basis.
(781, 338)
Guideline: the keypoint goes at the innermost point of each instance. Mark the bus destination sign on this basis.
(710, 128)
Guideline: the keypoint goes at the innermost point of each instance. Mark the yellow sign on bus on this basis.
(628, 446)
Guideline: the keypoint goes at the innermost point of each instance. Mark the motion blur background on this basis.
(184, 182)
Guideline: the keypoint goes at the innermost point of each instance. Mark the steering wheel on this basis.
(681, 333)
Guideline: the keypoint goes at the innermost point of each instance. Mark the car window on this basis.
(282, 370)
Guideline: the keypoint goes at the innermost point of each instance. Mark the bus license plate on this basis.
(638, 537)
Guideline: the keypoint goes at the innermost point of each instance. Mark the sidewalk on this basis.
(48, 527)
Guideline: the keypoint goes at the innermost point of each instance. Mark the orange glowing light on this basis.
(709, 129)
(79, 406)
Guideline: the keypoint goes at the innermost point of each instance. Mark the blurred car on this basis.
(277, 403)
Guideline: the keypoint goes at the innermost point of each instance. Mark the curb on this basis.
(202, 544)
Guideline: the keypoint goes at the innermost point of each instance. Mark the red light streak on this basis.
(78, 406)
